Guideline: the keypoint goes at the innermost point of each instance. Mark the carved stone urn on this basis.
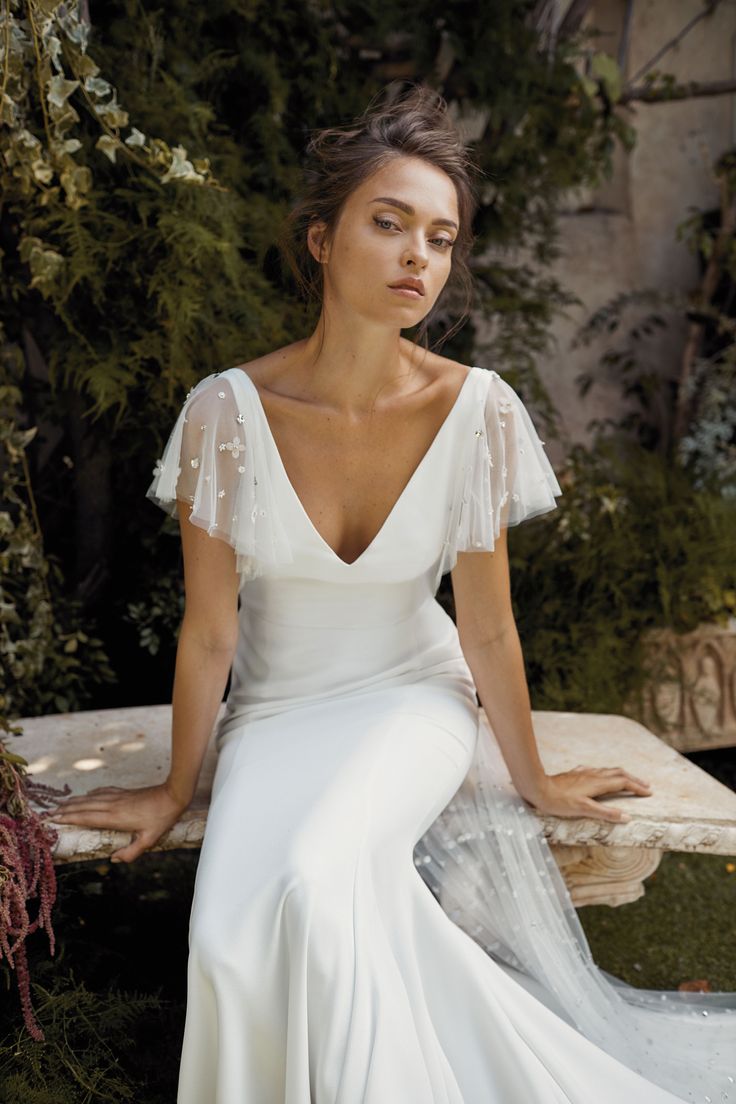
(689, 700)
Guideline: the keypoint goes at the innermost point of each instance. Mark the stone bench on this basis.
(602, 862)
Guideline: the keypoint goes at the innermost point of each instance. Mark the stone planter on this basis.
(690, 698)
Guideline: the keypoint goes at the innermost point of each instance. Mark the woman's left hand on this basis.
(148, 812)
(571, 793)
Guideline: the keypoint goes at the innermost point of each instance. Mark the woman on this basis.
(342, 476)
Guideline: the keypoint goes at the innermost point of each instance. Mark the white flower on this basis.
(235, 447)
(180, 168)
(135, 138)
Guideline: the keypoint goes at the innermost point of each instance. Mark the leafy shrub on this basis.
(634, 544)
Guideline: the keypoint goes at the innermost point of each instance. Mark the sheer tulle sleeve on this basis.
(507, 476)
(212, 461)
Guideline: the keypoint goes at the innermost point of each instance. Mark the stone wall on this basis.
(621, 236)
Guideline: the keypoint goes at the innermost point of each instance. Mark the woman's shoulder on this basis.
(223, 384)
(264, 370)
(444, 371)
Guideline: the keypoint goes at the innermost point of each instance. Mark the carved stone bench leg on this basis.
(605, 875)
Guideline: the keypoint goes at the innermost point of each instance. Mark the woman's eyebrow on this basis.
(410, 210)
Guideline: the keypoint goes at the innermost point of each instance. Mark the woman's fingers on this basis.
(81, 806)
(100, 798)
(95, 816)
(604, 812)
(140, 842)
(578, 788)
(614, 780)
(99, 791)
(611, 780)
(626, 776)
(600, 787)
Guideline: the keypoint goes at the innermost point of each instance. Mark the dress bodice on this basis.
(311, 624)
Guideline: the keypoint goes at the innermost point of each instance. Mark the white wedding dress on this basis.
(344, 946)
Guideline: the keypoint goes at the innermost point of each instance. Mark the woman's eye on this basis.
(445, 243)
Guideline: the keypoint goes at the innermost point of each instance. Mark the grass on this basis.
(680, 930)
(684, 927)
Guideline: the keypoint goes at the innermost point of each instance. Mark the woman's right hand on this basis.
(572, 793)
(148, 812)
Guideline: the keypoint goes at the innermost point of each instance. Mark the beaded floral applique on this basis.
(235, 447)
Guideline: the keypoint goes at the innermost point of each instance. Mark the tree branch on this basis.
(573, 18)
(623, 46)
(687, 91)
(709, 8)
(704, 295)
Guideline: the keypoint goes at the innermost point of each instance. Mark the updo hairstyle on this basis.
(339, 159)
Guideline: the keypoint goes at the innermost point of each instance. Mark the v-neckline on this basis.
(394, 509)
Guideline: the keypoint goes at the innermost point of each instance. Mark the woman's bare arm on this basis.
(491, 646)
(207, 640)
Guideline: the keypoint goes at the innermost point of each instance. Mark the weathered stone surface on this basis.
(689, 700)
(688, 810)
(605, 875)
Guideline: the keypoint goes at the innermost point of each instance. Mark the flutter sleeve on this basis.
(507, 476)
(213, 463)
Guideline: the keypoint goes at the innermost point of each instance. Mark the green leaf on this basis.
(606, 69)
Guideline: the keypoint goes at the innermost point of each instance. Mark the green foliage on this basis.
(633, 545)
(111, 1003)
(157, 616)
(46, 61)
(49, 658)
(85, 1035)
(132, 271)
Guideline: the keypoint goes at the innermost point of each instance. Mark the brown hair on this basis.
(338, 159)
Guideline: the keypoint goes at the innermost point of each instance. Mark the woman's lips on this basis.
(410, 293)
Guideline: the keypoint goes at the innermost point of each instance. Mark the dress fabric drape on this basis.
(346, 944)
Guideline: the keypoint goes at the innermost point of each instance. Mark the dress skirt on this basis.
(322, 968)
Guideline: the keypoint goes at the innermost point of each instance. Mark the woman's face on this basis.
(400, 222)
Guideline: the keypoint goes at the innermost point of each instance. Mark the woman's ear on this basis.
(317, 241)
